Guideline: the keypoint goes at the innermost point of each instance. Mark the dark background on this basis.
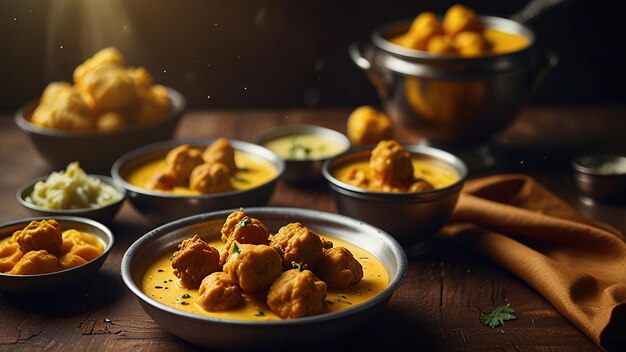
(283, 53)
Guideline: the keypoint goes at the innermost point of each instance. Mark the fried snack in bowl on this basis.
(43, 254)
(110, 108)
(366, 125)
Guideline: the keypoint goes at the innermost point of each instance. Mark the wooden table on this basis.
(437, 306)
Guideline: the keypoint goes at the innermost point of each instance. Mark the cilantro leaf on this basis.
(497, 316)
(245, 221)
(235, 248)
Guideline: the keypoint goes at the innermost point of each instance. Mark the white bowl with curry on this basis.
(173, 179)
(409, 191)
(245, 260)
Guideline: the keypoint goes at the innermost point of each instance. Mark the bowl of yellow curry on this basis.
(178, 178)
(43, 254)
(455, 79)
(304, 148)
(108, 109)
(409, 191)
(237, 278)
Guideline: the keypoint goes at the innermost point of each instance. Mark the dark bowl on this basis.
(412, 218)
(104, 214)
(161, 207)
(595, 181)
(59, 280)
(302, 170)
(237, 334)
(97, 150)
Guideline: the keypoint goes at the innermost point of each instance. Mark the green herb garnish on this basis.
(497, 316)
(235, 248)
(298, 151)
(185, 295)
(245, 221)
(296, 266)
(260, 314)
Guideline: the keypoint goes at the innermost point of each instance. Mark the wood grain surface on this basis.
(435, 309)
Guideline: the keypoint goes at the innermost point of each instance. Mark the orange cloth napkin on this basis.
(578, 265)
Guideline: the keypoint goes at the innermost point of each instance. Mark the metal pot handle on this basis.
(534, 9)
(548, 62)
(357, 56)
(379, 79)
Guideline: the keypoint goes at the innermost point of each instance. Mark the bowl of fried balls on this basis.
(44, 254)
(409, 191)
(277, 276)
(109, 109)
(172, 179)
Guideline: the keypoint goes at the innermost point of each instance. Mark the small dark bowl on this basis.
(103, 214)
(97, 150)
(596, 183)
(161, 207)
(303, 170)
(231, 334)
(59, 280)
(412, 218)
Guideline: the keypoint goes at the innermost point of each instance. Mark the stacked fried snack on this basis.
(293, 268)
(106, 95)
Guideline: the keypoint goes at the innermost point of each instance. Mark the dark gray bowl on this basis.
(103, 214)
(61, 279)
(235, 334)
(96, 150)
(594, 182)
(298, 170)
(161, 207)
(412, 218)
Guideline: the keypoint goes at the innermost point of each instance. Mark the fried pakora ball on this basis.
(71, 260)
(181, 161)
(112, 120)
(108, 87)
(10, 254)
(36, 262)
(163, 181)
(392, 164)
(218, 293)
(253, 267)
(194, 260)
(154, 104)
(420, 186)
(73, 240)
(366, 125)
(339, 269)
(240, 228)
(471, 44)
(296, 294)
(106, 56)
(440, 45)
(297, 244)
(61, 106)
(40, 235)
(210, 178)
(424, 27)
(221, 151)
(459, 19)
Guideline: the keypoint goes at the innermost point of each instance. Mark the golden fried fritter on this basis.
(180, 162)
(36, 262)
(40, 235)
(62, 107)
(218, 293)
(194, 260)
(392, 164)
(366, 125)
(297, 244)
(106, 56)
(221, 151)
(424, 27)
(459, 18)
(253, 267)
(10, 254)
(108, 87)
(240, 228)
(339, 269)
(296, 294)
(210, 178)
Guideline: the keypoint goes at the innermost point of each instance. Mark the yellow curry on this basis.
(252, 172)
(160, 283)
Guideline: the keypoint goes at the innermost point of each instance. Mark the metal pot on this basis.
(447, 99)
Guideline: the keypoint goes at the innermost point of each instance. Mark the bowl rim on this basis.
(21, 197)
(278, 162)
(179, 104)
(579, 166)
(379, 39)
(107, 246)
(285, 130)
(457, 163)
(399, 256)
